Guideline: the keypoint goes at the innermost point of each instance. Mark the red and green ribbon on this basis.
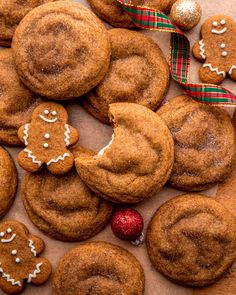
(151, 19)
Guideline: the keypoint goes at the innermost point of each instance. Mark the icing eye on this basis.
(2, 234)
(13, 252)
(17, 260)
(54, 113)
(46, 112)
(9, 230)
(215, 24)
(223, 22)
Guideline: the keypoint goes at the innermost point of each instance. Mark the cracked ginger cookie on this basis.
(191, 239)
(137, 162)
(61, 50)
(98, 268)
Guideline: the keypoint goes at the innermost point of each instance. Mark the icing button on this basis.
(13, 252)
(222, 45)
(224, 53)
(46, 135)
(45, 145)
(17, 260)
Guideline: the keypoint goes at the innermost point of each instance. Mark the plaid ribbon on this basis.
(151, 19)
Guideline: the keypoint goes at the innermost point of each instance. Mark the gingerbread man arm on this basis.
(71, 135)
(199, 51)
(36, 245)
(23, 133)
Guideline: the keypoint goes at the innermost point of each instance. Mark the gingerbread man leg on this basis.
(211, 75)
(41, 272)
(232, 73)
(61, 164)
(10, 285)
(27, 161)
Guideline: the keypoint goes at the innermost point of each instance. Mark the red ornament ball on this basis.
(127, 224)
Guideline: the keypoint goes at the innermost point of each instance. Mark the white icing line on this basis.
(214, 70)
(32, 248)
(67, 136)
(231, 69)
(30, 155)
(26, 129)
(34, 274)
(202, 50)
(8, 240)
(214, 31)
(48, 120)
(102, 151)
(61, 157)
(9, 279)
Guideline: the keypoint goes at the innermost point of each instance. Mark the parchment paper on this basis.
(95, 135)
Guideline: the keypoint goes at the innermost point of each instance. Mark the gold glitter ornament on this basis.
(186, 14)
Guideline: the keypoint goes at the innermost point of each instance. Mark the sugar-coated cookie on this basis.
(217, 49)
(16, 101)
(19, 259)
(8, 183)
(137, 162)
(112, 12)
(204, 143)
(137, 73)
(61, 50)
(11, 13)
(47, 138)
(192, 240)
(48, 199)
(98, 268)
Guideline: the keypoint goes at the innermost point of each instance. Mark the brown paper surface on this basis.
(96, 135)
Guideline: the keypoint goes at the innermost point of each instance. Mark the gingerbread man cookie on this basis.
(217, 49)
(47, 139)
(18, 258)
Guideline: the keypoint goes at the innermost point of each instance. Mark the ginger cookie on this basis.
(19, 261)
(61, 50)
(137, 162)
(204, 143)
(192, 240)
(11, 13)
(112, 12)
(98, 268)
(47, 138)
(137, 73)
(16, 101)
(217, 49)
(8, 183)
(63, 206)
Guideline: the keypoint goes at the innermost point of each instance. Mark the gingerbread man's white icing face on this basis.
(219, 27)
(50, 113)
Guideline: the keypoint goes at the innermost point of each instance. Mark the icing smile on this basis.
(48, 120)
(214, 31)
(8, 240)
